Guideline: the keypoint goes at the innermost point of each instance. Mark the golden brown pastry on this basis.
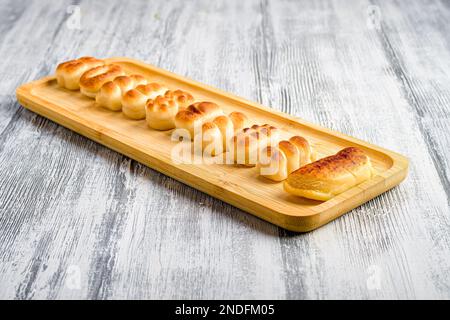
(247, 144)
(330, 176)
(110, 95)
(239, 121)
(92, 80)
(68, 73)
(217, 134)
(211, 139)
(181, 98)
(193, 117)
(134, 100)
(161, 111)
(276, 162)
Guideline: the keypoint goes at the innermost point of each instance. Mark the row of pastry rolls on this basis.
(137, 99)
(289, 160)
(114, 90)
(217, 133)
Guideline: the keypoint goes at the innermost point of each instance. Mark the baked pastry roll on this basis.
(68, 73)
(216, 134)
(181, 98)
(248, 143)
(92, 80)
(161, 111)
(193, 117)
(134, 100)
(330, 176)
(110, 95)
(239, 121)
(307, 153)
(276, 162)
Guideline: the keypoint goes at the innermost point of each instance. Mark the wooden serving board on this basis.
(241, 187)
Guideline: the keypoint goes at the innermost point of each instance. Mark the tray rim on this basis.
(311, 218)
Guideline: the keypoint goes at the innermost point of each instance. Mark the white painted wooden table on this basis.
(80, 221)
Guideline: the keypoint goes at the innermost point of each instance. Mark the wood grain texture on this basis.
(73, 210)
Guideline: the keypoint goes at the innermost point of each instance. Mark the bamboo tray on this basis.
(241, 187)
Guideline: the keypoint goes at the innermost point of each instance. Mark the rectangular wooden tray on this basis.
(241, 187)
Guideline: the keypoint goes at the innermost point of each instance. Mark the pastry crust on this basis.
(226, 128)
(181, 98)
(273, 164)
(160, 113)
(239, 120)
(211, 139)
(277, 162)
(134, 101)
(92, 80)
(247, 143)
(220, 131)
(330, 176)
(194, 116)
(68, 73)
(110, 95)
(307, 153)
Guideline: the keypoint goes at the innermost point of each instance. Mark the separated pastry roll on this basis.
(110, 95)
(276, 162)
(161, 111)
(134, 101)
(92, 80)
(217, 134)
(330, 176)
(248, 143)
(193, 117)
(68, 73)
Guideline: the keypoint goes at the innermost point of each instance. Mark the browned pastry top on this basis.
(121, 82)
(239, 120)
(345, 160)
(97, 76)
(160, 103)
(222, 121)
(74, 65)
(197, 110)
(253, 134)
(183, 98)
(288, 148)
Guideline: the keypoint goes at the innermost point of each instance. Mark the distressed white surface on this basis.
(80, 221)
